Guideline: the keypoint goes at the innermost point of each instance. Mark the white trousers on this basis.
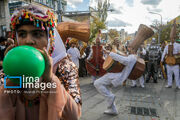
(170, 70)
(103, 85)
(141, 81)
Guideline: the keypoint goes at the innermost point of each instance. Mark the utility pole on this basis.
(59, 11)
(160, 28)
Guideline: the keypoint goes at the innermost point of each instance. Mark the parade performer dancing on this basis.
(102, 84)
(95, 60)
(122, 67)
(36, 27)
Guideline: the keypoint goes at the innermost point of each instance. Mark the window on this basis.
(49, 3)
(3, 30)
(2, 9)
(37, 0)
(41, 1)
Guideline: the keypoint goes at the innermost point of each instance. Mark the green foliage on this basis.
(113, 33)
(165, 31)
(99, 20)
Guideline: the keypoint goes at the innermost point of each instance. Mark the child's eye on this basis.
(22, 34)
(37, 34)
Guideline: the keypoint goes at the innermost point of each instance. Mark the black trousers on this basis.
(152, 70)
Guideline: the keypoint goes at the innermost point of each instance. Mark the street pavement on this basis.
(154, 102)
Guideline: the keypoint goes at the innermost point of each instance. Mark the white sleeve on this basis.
(144, 51)
(84, 55)
(68, 51)
(164, 53)
(122, 59)
(77, 53)
(90, 54)
(178, 44)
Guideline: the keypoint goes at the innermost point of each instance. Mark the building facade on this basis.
(80, 17)
(7, 7)
(122, 34)
(53, 4)
(4, 17)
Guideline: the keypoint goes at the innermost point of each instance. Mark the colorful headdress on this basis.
(41, 18)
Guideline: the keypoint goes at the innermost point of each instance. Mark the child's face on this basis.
(32, 36)
(73, 45)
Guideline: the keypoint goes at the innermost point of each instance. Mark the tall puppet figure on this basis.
(95, 59)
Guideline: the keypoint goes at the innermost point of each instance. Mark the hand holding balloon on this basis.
(24, 60)
(10, 43)
(48, 73)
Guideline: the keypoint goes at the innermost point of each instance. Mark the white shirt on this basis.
(176, 50)
(75, 55)
(129, 62)
(143, 51)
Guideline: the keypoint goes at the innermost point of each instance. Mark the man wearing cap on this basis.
(74, 52)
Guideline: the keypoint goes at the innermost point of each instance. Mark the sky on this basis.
(78, 5)
(129, 14)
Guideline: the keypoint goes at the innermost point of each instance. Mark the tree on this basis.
(156, 26)
(113, 33)
(165, 31)
(99, 19)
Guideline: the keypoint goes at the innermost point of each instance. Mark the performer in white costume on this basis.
(172, 68)
(74, 52)
(102, 84)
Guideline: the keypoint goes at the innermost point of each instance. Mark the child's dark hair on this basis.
(2, 39)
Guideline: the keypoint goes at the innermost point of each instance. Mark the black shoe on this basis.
(147, 81)
(133, 86)
(155, 81)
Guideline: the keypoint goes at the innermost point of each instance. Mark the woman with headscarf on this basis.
(36, 27)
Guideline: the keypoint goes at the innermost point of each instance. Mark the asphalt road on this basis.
(154, 102)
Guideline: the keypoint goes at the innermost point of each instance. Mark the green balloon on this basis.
(23, 60)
